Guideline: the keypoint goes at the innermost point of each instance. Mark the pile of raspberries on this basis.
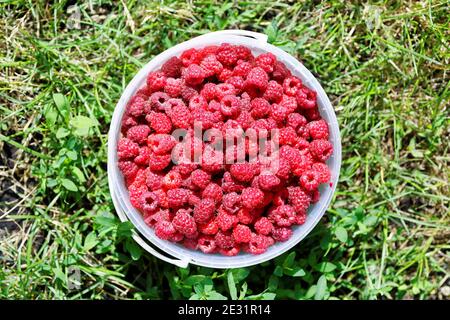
(212, 205)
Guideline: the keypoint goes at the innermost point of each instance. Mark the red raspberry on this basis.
(256, 81)
(207, 244)
(159, 162)
(135, 191)
(243, 172)
(161, 144)
(144, 92)
(231, 251)
(189, 57)
(251, 197)
(208, 50)
(127, 149)
(188, 92)
(225, 75)
(143, 157)
(158, 101)
(224, 240)
(242, 69)
(193, 74)
(232, 130)
(281, 234)
(194, 199)
(311, 114)
(149, 202)
(278, 112)
(230, 106)
(283, 216)
(291, 85)
(302, 163)
(211, 66)
(236, 82)
(177, 237)
(190, 243)
(309, 180)
(245, 120)
(318, 129)
(243, 53)
(296, 120)
(214, 106)
(212, 160)
(315, 196)
(173, 87)
(184, 223)
(306, 98)
(156, 80)
(258, 244)
(230, 202)
(177, 197)
(198, 102)
(323, 171)
(266, 61)
(162, 198)
(164, 230)
(172, 180)
(213, 191)
(229, 184)
(152, 219)
(226, 221)
(224, 89)
(321, 149)
(210, 228)
(128, 168)
(153, 180)
(179, 114)
(200, 178)
(274, 92)
(298, 199)
(172, 67)
(128, 121)
(280, 72)
(227, 54)
(263, 226)
(136, 106)
(259, 108)
(287, 136)
(159, 122)
(282, 168)
(301, 144)
(185, 168)
(242, 234)
(290, 103)
(245, 101)
(300, 218)
(138, 133)
(204, 210)
(208, 91)
(245, 216)
(268, 182)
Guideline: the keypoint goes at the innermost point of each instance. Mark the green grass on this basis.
(385, 68)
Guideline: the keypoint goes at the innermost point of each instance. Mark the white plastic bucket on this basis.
(175, 253)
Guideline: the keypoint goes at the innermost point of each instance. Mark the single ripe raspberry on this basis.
(233, 251)
(190, 243)
(177, 237)
(164, 230)
(323, 171)
(315, 196)
(179, 114)
(153, 181)
(245, 216)
(242, 69)
(230, 106)
(128, 121)
(281, 234)
(213, 191)
(212, 160)
(173, 87)
(188, 92)
(256, 82)
(224, 240)
(127, 149)
(161, 144)
(229, 184)
(302, 163)
(159, 162)
(296, 120)
(211, 66)
(310, 180)
(207, 244)
(189, 57)
(282, 168)
(200, 178)
(266, 61)
(208, 50)
(135, 191)
(136, 106)
(204, 210)
(242, 234)
(243, 53)
(156, 80)
(278, 112)
(311, 114)
(138, 133)
(149, 202)
(144, 156)
(162, 198)
(208, 91)
(177, 197)
(236, 82)
(225, 89)
(198, 102)
(283, 216)
(263, 226)
(231, 202)
(259, 108)
(252, 197)
(144, 92)
(321, 149)
(306, 98)
(210, 228)
(172, 180)
(193, 75)
(227, 54)
(226, 221)
(243, 172)
(245, 120)
(159, 122)
(300, 218)
(291, 85)
(280, 72)
(225, 75)
(194, 199)
(290, 103)
(157, 101)
(318, 129)
(258, 244)
(301, 144)
(128, 168)
(298, 199)
(268, 182)
(287, 136)
(274, 92)
(184, 223)
(172, 67)
(153, 218)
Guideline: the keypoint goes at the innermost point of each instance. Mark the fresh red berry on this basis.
(157, 101)
(164, 230)
(226, 221)
(161, 144)
(266, 61)
(268, 182)
(159, 162)
(138, 133)
(129, 169)
(256, 82)
(306, 98)
(281, 234)
(227, 54)
(172, 67)
(173, 87)
(323, 171)
(252, 197)
(263, 226)
(127, 149)
(200, 178)
(298, 199)
(259, 108)
(144, 156)
(243, 172)
(193, 74)
(149, 202)
(184, 223)
(283, 216)
(280, 72)
(207, 244)
(274, 92)
(137, 106)
(318, 129)
(177, 197)
(204, 210)
(172, 180)
(310, 180)
(156, 80)
(224, 240)
(208, 91)
(211, 66)
(213, 191)
(321, 149)
(210, 228)
(153, 180)
(159, 122)
(242, 234)
(189, 57)
(292, 85)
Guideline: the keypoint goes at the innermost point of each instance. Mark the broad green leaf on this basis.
(62, 133)
(82, 124)
(79, 174)
(289, 261)
(232, 286)
(240, 274)
(341, 234)
(321, 288)
(325, 267)
(90, 241)
(72, 155)
(134, 249)
(278, 271)
(213, 295)
(69, 185)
